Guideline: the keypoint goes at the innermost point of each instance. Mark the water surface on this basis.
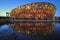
(7, 33)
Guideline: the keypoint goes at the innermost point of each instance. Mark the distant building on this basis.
(7, 14)
(57, 18)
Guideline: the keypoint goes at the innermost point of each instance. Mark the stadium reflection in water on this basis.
(44, 31)
(37, 28)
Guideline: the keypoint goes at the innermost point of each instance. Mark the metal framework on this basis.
(34, 10)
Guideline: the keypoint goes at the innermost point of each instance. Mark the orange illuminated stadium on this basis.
(37, 10)
(34, 10)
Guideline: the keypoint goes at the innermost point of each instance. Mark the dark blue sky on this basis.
(8, 5)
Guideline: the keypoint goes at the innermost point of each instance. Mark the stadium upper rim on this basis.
(32, 5)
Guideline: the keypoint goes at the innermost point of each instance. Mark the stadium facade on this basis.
(35, 10)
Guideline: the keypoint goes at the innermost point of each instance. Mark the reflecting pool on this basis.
(48, 31)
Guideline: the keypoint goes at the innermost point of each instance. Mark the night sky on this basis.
(8, 5)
